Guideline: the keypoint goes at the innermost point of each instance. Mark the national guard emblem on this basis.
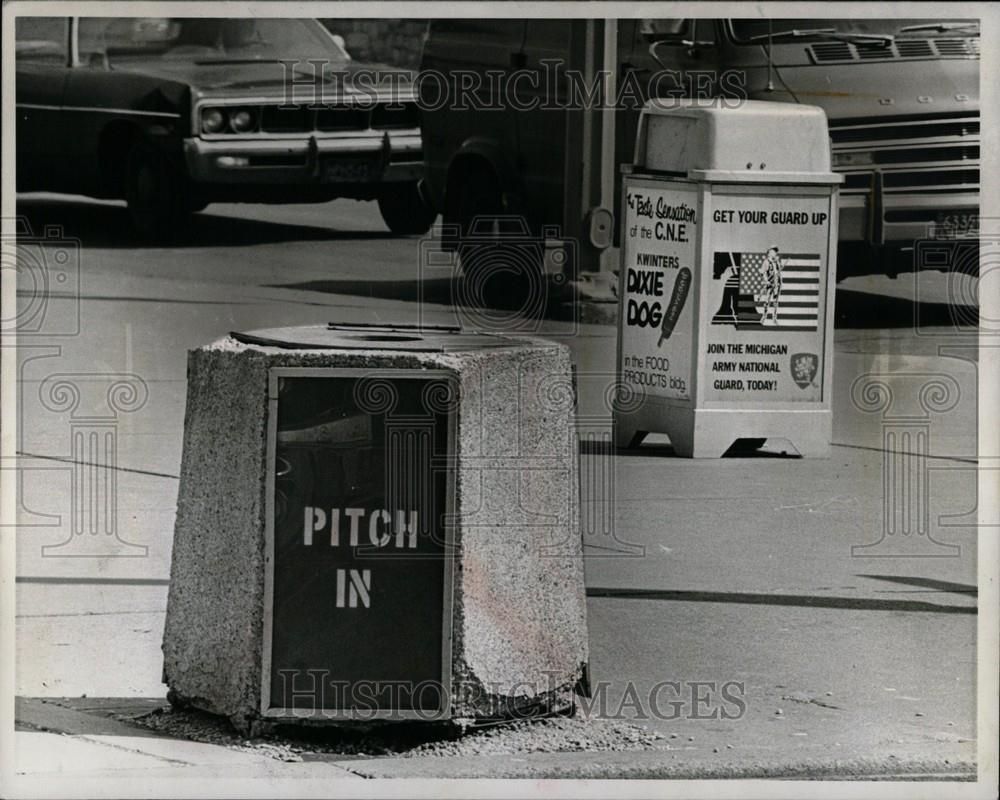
(804, 368)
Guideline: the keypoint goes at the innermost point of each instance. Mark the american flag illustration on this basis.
(755, 297)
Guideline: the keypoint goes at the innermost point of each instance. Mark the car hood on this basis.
(875, 88)
(260, 79)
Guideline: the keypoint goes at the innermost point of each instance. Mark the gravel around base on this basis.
(551, 735)
(199, 726)
(287, 743)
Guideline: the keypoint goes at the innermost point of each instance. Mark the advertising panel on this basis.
(659, 243)
(765, 299)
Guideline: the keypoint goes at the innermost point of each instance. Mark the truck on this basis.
(901, 98)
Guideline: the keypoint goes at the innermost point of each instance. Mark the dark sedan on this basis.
(172, 114)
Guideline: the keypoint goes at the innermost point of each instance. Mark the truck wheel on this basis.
(500, 261)
(404, 210)
(155, 190)
(478, 196)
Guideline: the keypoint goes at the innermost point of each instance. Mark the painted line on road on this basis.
(127, 299)
(92, 581)
(91, 614)
(66, 460)
(962, 459)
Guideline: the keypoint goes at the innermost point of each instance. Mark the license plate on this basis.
(956, 225)
(353, 171)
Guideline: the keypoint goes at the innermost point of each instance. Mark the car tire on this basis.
(404, 210)
(155, 191)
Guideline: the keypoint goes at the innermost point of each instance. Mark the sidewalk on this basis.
(88, 745)
(854, 664)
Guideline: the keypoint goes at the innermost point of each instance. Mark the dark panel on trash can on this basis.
(359, 577)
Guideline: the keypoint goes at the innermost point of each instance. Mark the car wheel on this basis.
(404, 210)
(156, 194)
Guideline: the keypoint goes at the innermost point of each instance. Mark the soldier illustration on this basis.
(771, 290)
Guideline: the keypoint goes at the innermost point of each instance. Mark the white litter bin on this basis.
(728, 258)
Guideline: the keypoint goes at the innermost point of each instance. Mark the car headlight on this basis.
(858, 159)
(212, 120)
(242, 120)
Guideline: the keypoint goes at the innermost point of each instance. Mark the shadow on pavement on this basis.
(927, 583)
(104, 225)
(741, 448)
(430, 290)
(862, 310)
(854, 309)
(454, 291)
(809, 601)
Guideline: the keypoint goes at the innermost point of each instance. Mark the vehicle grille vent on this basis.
(944, 126)
(825, 52)
(832, 51)
(957, 47)
(914, 48)
(872, 52)
(955, 177)
(913, 153)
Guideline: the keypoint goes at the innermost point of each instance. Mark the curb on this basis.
(658, 765)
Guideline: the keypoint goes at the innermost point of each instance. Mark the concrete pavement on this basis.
(750, 571)
(57, 739)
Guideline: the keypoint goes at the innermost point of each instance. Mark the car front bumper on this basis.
(310, 160)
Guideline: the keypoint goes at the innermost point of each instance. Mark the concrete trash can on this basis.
(376, 524)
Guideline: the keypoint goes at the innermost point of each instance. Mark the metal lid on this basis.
(756, 141)
(363, 336)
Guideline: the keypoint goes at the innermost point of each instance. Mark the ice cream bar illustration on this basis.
(673, 310)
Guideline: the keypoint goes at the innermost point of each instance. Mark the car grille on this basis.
(918, 152)
(286, 120)
(901, 49)
(334, 119)
(401, 116)
(343, 118)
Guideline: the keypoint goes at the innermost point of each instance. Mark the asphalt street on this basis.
(770, 573)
